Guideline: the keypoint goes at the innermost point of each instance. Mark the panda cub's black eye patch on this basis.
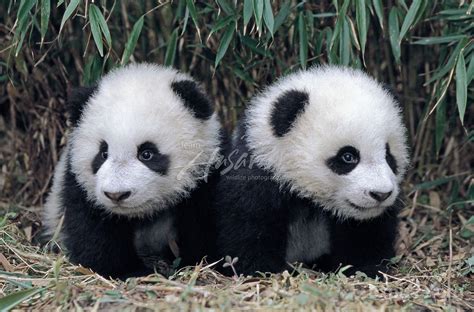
(100, 157)
(346, 159)
(149, 155)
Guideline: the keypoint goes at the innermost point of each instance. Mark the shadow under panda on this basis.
(326, 153)
(132, 189)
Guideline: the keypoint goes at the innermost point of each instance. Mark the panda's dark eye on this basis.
(146, 155)
(346, 159)
(349, 158)
(104, 155)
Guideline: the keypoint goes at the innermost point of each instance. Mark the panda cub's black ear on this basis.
(194, 98)
(76, 100)
(286, 109)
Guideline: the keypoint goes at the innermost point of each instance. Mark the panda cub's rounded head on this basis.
(142, 139)
(333, 135)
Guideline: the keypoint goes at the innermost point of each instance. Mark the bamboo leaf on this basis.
(171, 48)
(393, 31)
(461, 86)
(102, 23)
(221, 23)
(258, 13)
(361, 18)
(282, 15)
(303, 40)
(439, 40)
(45, 13)
(440, 121)
(12, 300)
(192, 11)
(69, 10)
(345, 44)
(379, 11)
(248, 10)
(225, 41)
(226, 7)
(96, 33)
(24, 10)
(470, 70)
(409, 18)
(268, 16)
(132, 40)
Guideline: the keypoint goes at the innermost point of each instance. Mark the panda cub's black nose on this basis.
(380, 196)
(118, 196)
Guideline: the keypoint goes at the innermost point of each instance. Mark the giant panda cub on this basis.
(320, 186)
(132, 188)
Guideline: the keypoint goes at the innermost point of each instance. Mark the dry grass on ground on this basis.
(434, 271)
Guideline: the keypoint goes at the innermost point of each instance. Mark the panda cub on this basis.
(326, 154)
(132, 188)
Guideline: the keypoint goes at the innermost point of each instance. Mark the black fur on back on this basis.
(76, 102)
(286, 109)
(253, 213)
(193, 98)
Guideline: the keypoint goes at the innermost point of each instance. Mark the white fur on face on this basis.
(346, 108)
(131, 106)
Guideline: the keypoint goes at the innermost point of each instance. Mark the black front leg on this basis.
(94, 238)
(366, 245)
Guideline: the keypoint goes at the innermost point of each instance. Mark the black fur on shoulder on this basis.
(194, 99)
(286, 109)
(76, 101)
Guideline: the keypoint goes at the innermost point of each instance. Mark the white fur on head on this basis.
(131, 106)
(346, 107)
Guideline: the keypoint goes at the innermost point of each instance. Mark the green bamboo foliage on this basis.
(423, 49)
(261, 26)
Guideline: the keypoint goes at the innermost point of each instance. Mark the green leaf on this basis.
(431, 184)
(470, 70)
(258, 13)
(225, 41)
(12, 300)
(280, 18)
(24, 10)
(226, 7)
(440, 122)
(95, 29)
(221, 23)
(450, 63)
(268, 16)
(248, 10)
(393, 31)
(439, 40)
(379, 11)
(461, 86)
(339, 23)
(45, 13)
(361, 18)
(409, 18)
(22, 25)
(69, 10)
(102, 23)
(171, 48)
(303, 40)
(345, 44)
(132, 40)
(192, 10)
(253, 45)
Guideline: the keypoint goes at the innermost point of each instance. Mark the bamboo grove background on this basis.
(422, 49)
